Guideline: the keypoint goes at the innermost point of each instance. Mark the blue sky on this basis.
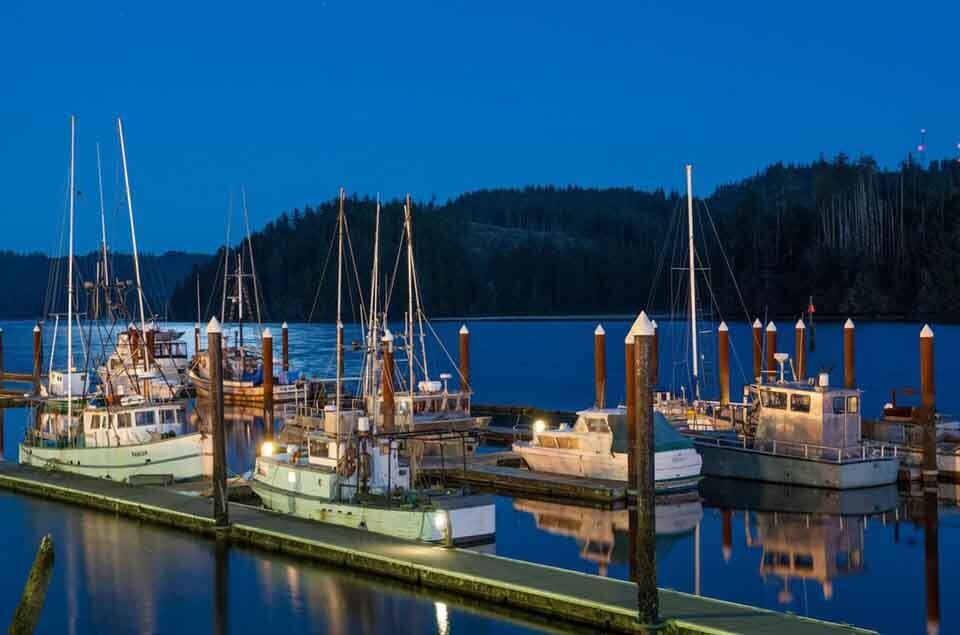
(293, 100)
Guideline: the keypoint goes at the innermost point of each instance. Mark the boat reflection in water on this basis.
(802, 533)
(603, 535)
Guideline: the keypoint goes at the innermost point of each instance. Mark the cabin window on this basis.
(800, 403)
(775, 399)
(168, 416)
(803, 562)
(123, 420)
(853, 405)
(838, 403)
(597, 425)
(147, 418)
(96, 421)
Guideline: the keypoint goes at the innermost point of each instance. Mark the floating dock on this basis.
(576, 598)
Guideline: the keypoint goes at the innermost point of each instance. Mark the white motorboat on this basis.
(595, 446)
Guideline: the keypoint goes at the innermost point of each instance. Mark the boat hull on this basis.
(179, 457)
(239, 393)
(469, 524)
(740, 463)
(674, 470)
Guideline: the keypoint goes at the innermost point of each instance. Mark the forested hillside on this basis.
(859, 239)
(33, 285)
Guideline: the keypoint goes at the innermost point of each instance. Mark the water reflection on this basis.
(603, 535)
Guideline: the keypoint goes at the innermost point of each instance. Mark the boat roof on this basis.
(803, 386)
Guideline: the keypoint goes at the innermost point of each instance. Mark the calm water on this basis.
(857, 558)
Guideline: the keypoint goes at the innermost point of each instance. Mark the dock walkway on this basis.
(600, 603)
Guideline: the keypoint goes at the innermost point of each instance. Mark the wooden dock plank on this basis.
(602, 603)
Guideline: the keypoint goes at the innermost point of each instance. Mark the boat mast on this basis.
(372, 338)
(410, 354)
(339, 302)
(103, 237)
(253, 264)
(133, 238)
(73, 133)
(240, 293)
(693, 284)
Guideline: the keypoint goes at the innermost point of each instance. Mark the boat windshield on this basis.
(665, 436)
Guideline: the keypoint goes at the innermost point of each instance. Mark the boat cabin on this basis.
(132, 424)
(61, 383)
(604, 431)
(804, 412)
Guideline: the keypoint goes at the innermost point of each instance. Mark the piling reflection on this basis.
(931, 559)
(221, 586)
(604, 536)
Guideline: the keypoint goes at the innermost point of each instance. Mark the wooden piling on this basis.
(723, 357)
(757, 351)
(770, 363)
(655, 356)
(221, 586)
(285, 346)
(800, 351)
(267, 345)
(196, 338)
(648, 603)
(464, 358)
(37, 358)
(389, 408)
(150, 337)
(928, 405)
(133, 339)
(631, 394)
(599, 366)
(221, 514)
(849, 378)
(34, 595)
(727, 549)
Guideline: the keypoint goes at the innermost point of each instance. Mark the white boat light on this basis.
(539, 426)
(440, 521)
(266, 449)
(292, 477)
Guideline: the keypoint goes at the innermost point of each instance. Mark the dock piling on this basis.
(267, 345)
(928, 406)
(37, 358)
(648, 603)
(285, 346)
(27, 613)
(196, 338)
(848, 354)
(150, 338)
(389, 414)
(723, 357)
(727, 530)
(599, 366)
(757, 350)
(631, 394)
(770, 363)
(800, 350)
(464, 358)
(221, 513)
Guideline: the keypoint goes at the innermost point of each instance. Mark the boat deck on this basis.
(577, 598)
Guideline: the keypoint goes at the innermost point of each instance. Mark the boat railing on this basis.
(867, 450)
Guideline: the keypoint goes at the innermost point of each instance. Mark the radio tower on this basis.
(922, 148)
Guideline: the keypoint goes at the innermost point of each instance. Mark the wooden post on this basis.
(221, 586)
(799, 342)
(196, 338)
(849, 379)
(648, 603)
(285, 347)
(464, 359)
(928, 406)
(27, 614)
(133, 341)
(727, 548)
(723, 357)
(37, 358)
(757, 351)
(599, 366)
(267, 345)
(221, 515)
(151, 337)
(386, 380)
(770, 363)
(631, 395)
(655, 356)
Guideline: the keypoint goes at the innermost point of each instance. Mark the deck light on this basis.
(539, 426)
(266, 449)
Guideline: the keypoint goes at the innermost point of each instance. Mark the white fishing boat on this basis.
(356, 464)
(595, 446)
(165, 368)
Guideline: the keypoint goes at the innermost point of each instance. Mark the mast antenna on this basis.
(693, 283)
(133, 238)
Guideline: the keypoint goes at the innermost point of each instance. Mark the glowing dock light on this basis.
(266, 449)
(539, 426)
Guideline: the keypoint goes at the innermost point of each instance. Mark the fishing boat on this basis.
(356, 463)
(117, 438)
(800, 433)
(165, 368)
(595, 446)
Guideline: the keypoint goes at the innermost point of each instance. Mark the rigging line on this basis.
(226, 256)
(736, 286)
(323, 273)
(716, 304)
(356, 274)
(253, 265)
(213, 289)
(396, 270)
(661, 258)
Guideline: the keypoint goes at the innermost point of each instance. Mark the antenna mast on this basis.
(133, 238)
(103, 236)
(73, 132)
(410, 353)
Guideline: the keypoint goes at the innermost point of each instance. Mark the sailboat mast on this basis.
(693, 284)
(103, 235)
(73, 133)
(339, 304)
(374, 290)
(410, 353)
(240, 291)
(133, 238)
(253, 264)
